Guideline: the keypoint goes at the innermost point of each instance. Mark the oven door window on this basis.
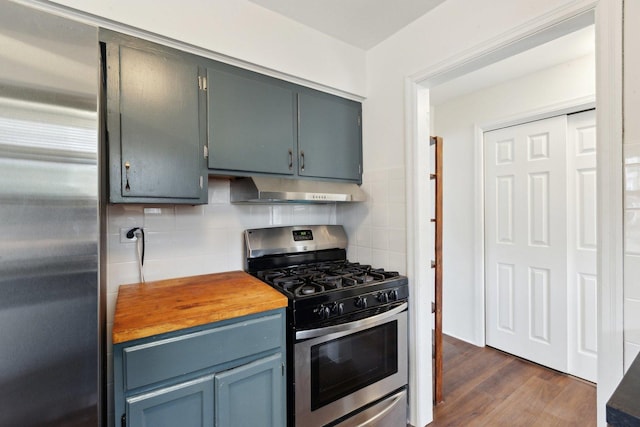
(342, 366)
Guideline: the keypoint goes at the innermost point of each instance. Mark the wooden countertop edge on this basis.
(175, 317)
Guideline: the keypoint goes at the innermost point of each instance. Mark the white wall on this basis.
(632, 181)
(455, 121)
(452, 30)
(245, 31)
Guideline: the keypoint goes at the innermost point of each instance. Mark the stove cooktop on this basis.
(313, 279)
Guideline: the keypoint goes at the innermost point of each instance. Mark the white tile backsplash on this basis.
(191, 240)
(631, 350)
(632, 321)
(377, 227)
(632, 231)
(632, 277)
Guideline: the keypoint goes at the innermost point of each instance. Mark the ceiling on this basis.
(366, 23)
(572, 46)
(361, 23)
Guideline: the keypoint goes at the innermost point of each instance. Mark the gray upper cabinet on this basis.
(329, 136)
(251, 122)
(155, 125)
(262, 125)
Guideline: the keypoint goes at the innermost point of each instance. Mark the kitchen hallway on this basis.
(486, 387)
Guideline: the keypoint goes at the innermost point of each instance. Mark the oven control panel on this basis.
(340, 310)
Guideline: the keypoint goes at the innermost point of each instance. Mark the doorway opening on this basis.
(467, 216)
(544, 81)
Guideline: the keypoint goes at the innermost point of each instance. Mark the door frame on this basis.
(608, 20)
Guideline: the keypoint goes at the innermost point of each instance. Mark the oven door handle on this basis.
(358, 324)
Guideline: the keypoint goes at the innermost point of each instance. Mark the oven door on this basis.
(342, 368)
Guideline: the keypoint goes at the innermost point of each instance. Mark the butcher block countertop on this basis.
(151, 308)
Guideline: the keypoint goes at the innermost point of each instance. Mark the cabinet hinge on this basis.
(201, 182)
(206, 152)
(123, 420)
(202, 82)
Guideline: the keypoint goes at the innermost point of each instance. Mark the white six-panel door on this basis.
(539, 219)
(525, 241)
(582, 245)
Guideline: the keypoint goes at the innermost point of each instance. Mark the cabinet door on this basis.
(252, 394)
(156, 135)
(329, 137)
(251, 121)
(188, 404)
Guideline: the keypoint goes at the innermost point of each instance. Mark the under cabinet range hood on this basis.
(280, 190)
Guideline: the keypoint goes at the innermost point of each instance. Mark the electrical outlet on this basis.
(124, 238)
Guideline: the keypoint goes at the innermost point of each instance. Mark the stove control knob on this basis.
(393, 294)
(361, 302)
(323, 312)
(338, 308)
(383, 297)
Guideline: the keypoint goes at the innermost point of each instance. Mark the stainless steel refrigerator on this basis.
(50, 316)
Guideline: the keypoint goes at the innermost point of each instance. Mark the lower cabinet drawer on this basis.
(167, 358)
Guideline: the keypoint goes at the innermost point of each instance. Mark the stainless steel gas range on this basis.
(347, 327)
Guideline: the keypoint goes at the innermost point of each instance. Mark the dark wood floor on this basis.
(485, 387)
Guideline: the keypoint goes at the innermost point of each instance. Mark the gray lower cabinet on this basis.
(186, 405)
(249, 395)
(155, 124)
(225, 374)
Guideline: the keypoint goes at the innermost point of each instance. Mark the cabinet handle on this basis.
(290, 159)
(127, 166)
(302, 160)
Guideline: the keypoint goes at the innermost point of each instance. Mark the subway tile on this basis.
(364, 255)
(396, 215)
(375, 176)
(379, 215)
(397, 191)
(380, 192)
(363, 236)
(122, 274)
(397, 240)
(111, 304)
(219, 191)
(159, 218)
(631, 350)
(632, 321)
(118, 251)
(632, 277)
(188, 218)
(396, 174)
(380, 238)
(397, 262)
(379, 258)
(352, 252)
(123, 216)
(632, 186)
(631, 153)
(632, 231)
